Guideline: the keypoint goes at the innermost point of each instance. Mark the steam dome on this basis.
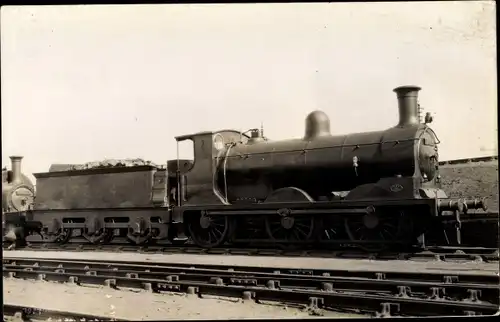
(317, 125)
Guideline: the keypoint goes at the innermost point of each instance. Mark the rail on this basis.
(437, 253)
(379, 293)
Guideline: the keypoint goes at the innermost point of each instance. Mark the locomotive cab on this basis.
(196, 182)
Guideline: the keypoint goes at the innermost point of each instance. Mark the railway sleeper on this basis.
(436, 293)
(380, 282)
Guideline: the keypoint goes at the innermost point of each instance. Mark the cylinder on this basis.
(407, 105)
(16, 168)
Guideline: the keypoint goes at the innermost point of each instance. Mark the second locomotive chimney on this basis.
(16, 168)
(408, 105)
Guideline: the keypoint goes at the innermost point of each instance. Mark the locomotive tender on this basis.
(372, 189)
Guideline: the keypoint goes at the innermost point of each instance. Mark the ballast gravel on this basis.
(140, 305)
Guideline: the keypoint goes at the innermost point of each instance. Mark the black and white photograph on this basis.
(217, 161)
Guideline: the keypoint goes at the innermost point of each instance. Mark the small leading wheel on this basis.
(286, 229)
(379, 229)
(208, 231)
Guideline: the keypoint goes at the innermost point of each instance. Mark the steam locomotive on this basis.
(374, 190)
(18, 192)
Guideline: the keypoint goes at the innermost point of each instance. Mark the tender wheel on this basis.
(95, 231)
(55, 233)
(284, 228)
(208, 231)
(100, 237)
(140, 232)
(61, 237)
(378, 228)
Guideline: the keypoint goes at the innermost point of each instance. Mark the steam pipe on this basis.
(408, 105)
(16, 168)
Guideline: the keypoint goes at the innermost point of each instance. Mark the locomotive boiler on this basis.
(321, 164)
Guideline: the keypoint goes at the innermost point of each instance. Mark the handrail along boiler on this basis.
(371, 189)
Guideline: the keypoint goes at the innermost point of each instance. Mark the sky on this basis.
(86, 83)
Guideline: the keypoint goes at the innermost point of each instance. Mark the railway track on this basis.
(478, 254)
(381, 293)
(16, 313)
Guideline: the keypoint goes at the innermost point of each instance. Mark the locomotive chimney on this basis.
(16, 168)
(408, 105)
